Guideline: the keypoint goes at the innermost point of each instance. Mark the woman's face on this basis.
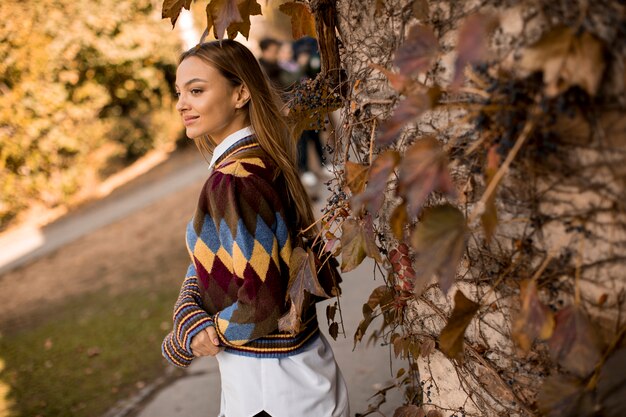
(207, 102)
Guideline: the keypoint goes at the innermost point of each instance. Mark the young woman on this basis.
(248, 219)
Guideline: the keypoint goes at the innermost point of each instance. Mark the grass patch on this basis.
(86, 354)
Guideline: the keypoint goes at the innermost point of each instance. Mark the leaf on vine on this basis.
(333, 330)
(407, 111)
(362, 327)
(374, 195)
(409, 411)
(399, 219)
(418, 51)
(357, 242)
(423, 170)
(303, 278)
(564, 396)
(575, 344)
(566, 59)
(535, 320)
(246, 8)
(220, 14)
(489, 218)
(381, 296)
(427, 348)
(302, 21)
(291, 321)
(612, 385)
(439, 241)
(331, 310)
(398, 82)
(453, 334)
(171, 9)
(356, 175)
(472, 44)
(420, 9)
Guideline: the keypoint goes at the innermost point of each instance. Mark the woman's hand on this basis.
(206, 343)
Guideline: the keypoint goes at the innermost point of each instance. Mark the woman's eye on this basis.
(177, 94)
(195, 91)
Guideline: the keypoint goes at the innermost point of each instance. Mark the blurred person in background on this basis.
(252, 212)
(269, 61)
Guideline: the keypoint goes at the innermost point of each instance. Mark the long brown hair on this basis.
(239, 66)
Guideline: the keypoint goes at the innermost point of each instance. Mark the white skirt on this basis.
(307, 384)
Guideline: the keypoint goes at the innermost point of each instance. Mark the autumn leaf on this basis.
(407, 111)
(356, 175)
(291, 321)
(612, 385)
(423, 170)
(380, 296)
(333, 330)
(409, 411)
(564, 396)
(303, 278)
(420, 9)
(399, 82)
(399, 219)
(172, 9)
(221, 14)
(566, 59)
(302, 21)
(378, 174)
(535, 320)
(439, 241)
(472, 44)
(574, 344)
(246, 9)
(452, 335)
(418, 51)
(357, 242)
(489, 218)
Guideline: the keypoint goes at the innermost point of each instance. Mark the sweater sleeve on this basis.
(255, 244)
(189, 319)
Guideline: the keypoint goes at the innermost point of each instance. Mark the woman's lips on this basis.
(189, 120)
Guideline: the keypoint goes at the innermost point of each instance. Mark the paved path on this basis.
(365, 369)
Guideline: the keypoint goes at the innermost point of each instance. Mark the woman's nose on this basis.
(181, 103)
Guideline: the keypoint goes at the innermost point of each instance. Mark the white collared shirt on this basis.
(229, 141)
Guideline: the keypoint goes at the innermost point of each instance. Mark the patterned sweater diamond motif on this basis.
(240, 245)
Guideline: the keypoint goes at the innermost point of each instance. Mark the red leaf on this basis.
(439, 240)
(418, 51)
(535, 320)
(575, 344)
(220, 14)
(452, 336)
(357, 242)
(246, 9)
(423, 170)
(356, 175)
(302, 21)
(489, 218)
(407, 111)
(172, 9)
(374, 194)
(472, 44)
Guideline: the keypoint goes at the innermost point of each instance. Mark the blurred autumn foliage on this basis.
(86, 88)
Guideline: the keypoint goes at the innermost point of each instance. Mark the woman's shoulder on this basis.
(252, 163)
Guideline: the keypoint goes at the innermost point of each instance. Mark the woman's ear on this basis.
(243, 96)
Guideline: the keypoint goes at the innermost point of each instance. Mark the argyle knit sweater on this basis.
(240, 242)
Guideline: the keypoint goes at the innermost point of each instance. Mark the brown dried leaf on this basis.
(427, 348)
(439, 241)
(374, 195)
(302, 21)
(356, 175)
(220, 14)
(399, 219)
(564, 396)
(246, 8)
(535, 320)
(418, 51)
(331, 310)
(575, 344)
(423, 170)
(333, 330)
(398, 82)
(381, 296)
(409, 411)
(420, 9)
(472, 46)
(407, 111)
(612, 385)
(303, 278)
(452, 336)
(172, 9)
(291, 321)
(566, 59)
(362, 328)
(357, 242)
(489, 218)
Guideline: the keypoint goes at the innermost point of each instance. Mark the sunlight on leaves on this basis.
(172, 8)
(246, 8)
(220, 14)
(356, 176)
(302, 21)
(452, 335)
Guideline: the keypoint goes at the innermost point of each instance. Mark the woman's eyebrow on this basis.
(193, 80)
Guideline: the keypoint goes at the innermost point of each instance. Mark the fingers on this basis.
(206, 343)
(213, 335)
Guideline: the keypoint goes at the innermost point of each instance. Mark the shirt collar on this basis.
(229, 141)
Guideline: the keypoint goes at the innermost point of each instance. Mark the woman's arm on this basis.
(189, 320)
